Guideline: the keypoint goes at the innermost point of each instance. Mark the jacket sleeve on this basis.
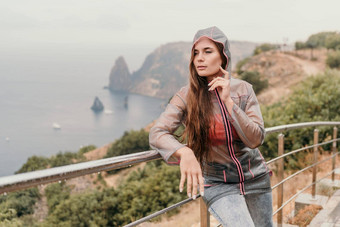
(161, 136)
(249, 123)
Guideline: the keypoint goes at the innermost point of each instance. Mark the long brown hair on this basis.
(200, 110)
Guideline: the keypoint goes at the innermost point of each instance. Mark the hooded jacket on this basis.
(235, 164)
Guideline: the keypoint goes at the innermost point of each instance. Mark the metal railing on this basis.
(31, 179)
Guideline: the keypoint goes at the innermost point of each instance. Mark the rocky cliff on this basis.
(165, 70)
(120, 77)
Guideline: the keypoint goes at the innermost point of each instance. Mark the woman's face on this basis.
(207, 59)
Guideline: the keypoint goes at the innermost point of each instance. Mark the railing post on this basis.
(335, 136)
(316, 141)
(280, 176)
(205, 216)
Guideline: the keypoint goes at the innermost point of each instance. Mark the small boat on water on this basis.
(108, 111)
(7, 139)
(56, 125)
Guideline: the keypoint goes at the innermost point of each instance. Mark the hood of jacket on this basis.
(215, 34)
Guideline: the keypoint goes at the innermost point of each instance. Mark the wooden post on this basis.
(316, 140)
(335, 135)
(280, 176)
(205, 216)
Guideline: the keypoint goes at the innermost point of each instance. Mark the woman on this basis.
(224, 127)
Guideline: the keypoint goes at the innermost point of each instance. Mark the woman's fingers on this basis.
(194, 186)
(189, 185)
(218, 83)
(190, 172)
(201, 183)
(181, 184)
(224, 72)
(194, 182)
(197, 184)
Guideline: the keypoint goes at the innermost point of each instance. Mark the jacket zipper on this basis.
(229, 138)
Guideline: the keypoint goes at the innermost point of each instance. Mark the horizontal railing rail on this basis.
(303, 170)
(40, 177)
(283, 128)
(300, 149)
(160, 212)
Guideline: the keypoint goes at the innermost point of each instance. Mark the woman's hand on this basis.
(223, 88)
(190, 171)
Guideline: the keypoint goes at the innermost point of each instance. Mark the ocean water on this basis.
(54, 85)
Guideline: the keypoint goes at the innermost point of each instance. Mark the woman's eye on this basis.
(208, 52)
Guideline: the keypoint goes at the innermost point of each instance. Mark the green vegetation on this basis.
(86, 149)
(34, 163)
(17, 205)
(322, 39)
(333, 41)
(38, 162)
(144, 192)
(265, 47)
(254, 78)
(55, 194)
(329, 40)
(314, 100)
(300, 45)
(333, 59)
(130, 142)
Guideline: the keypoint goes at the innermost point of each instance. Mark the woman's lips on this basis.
(201, 67)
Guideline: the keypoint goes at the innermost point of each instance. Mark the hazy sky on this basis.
(123, 22)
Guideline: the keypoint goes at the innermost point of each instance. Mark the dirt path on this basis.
(284, 71)
(309, 67)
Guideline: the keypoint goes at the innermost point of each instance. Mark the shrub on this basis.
(17, 204)
(55, 194)
(318, 39)
(300, 45)
(62, 159)
(86, 149)
(265, 47)
(254, 78)
(130, 142)
(34, 163)
(333, 59)
(333, 41)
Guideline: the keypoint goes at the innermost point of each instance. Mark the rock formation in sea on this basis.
(97, 105)
(120, 77)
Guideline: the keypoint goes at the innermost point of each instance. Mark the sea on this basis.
(46, 87)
